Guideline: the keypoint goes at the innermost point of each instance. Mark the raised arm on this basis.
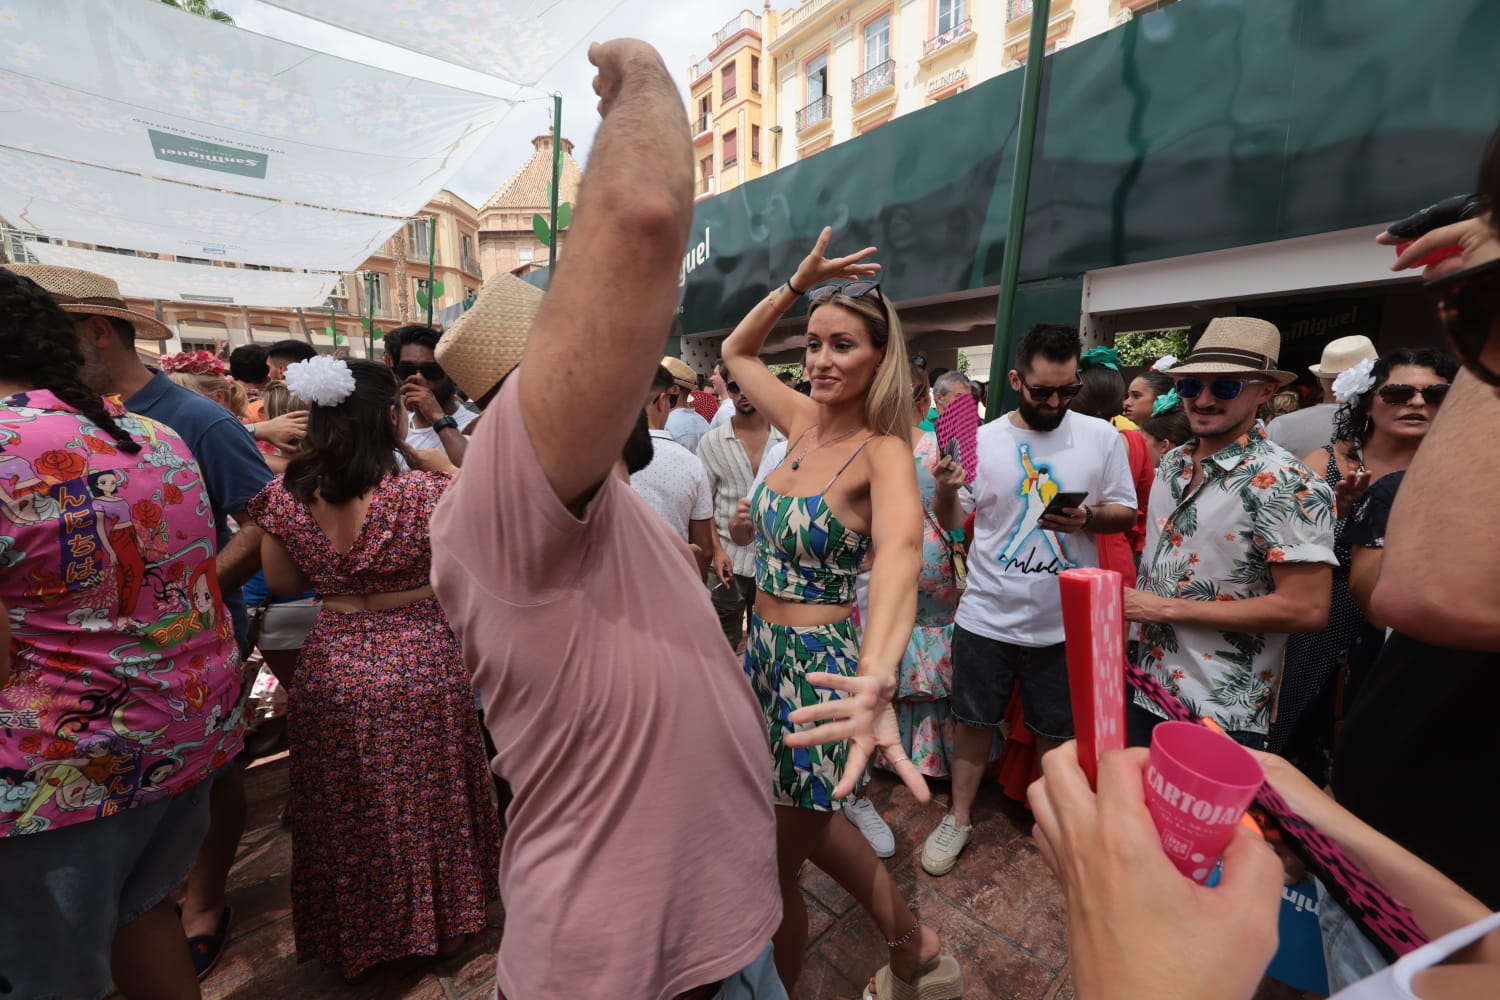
(784, 406)
(607, 314)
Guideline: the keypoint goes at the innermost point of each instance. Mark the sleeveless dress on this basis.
(1303, 728)
(803, 553)
(395, 839)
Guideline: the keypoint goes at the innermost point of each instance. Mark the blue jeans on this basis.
(756, 981)
(1346, 953)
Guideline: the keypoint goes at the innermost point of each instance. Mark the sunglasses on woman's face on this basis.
(1399, 393)
(1223, 389)
(1468, 305)
(430, 370)
(849, 290)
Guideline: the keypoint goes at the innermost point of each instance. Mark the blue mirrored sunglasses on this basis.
(1223, 388)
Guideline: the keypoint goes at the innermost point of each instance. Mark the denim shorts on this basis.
(68, 890)
(984, 672)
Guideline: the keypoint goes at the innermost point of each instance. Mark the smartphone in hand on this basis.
(954, 451)
(1065, 501)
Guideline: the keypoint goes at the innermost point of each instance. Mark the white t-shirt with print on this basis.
(675, 484)
(1012, 593)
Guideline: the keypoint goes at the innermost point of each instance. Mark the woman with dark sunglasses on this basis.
(1385, 415)
(847, 481)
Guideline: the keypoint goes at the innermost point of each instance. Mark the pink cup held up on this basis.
(1198, 785)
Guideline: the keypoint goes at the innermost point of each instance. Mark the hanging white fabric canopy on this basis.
(139, 86)
(145, 278)
(70, 201)
(516, 40)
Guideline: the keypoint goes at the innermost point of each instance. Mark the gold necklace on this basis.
(796, 463)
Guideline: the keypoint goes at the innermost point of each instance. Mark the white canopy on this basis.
(90, 205)
(145, 278)
(516, 40)
(139, 86)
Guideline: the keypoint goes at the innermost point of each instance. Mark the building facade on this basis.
(726, 108)
(507, 236)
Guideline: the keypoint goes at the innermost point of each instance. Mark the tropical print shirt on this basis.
(124, 683)
(1256, 506)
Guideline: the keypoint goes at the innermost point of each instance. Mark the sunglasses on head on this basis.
(1468, 303)
(1042, 393)
(1399, 393)
(430, 370)
(849, 290)
(1223, 388)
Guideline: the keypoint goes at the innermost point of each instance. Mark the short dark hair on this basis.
(412, 333)
(291, 351)
(786, 377)
(662, 381)
(1053, 341)
(248, 363)
(936, 374)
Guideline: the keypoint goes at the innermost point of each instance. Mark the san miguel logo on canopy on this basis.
(208, 155)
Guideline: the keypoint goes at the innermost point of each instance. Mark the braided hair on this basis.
(39, 346)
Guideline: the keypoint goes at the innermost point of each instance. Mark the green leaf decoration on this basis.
(564, 215)
(338, 339)
(549, 191)
(540, 227)
(437, 289)
(422, 298)
(330, 331)
(365, 321)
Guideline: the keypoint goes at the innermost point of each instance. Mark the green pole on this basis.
(431, 258)
(1020, 187)
(370, 302)
(556, 176)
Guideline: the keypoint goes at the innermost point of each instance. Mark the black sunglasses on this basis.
(1399, 393)
(430, 370)
(1468, 303)
(1223, 389)
(733, 387)
(1042, 393)
(672, 398)
(849, 290)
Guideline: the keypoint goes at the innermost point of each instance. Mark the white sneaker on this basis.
(943, 846)
(862, 813)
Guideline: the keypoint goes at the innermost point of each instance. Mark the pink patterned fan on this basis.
(960, 422)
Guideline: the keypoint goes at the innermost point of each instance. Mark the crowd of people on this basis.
(661, 635)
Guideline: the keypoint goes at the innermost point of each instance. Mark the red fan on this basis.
(960, 422)
(706, 403)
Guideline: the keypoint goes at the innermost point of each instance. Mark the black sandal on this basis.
(207, 949)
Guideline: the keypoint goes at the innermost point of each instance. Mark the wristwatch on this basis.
(443, 423)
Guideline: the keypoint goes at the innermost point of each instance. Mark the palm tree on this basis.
(201, 8)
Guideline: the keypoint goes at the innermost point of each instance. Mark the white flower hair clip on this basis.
(1354, 382)
(1165, 362)
(322, 381)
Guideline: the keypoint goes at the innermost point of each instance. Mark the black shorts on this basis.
(984, 672)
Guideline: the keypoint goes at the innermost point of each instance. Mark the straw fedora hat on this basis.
(682, 373)
(1342, 354)
(89, 294)
(487, 342)
(1236, 345)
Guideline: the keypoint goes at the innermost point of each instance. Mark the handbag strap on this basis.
(1386, 921)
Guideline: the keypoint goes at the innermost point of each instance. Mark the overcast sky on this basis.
(680, 29)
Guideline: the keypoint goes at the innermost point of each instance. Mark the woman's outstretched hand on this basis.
(864, 717)
(817, 268)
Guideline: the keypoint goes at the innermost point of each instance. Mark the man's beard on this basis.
(745, 408)
(1038, 420)
(444, 393)
(638, 450)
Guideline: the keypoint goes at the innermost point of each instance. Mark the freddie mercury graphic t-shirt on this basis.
(1013, 565)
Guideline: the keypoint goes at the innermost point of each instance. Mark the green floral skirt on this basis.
(778, 659)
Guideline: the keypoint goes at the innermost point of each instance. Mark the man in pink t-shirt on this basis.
(640, 854)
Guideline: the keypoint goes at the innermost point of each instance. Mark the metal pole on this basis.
(370, 302)
(431, 256)
(556, 175)
(1020, 187)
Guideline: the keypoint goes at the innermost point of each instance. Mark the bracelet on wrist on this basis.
(956, 535)
(793, 288)
(1088, 515)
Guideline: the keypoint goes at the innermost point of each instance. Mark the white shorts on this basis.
(285, 626)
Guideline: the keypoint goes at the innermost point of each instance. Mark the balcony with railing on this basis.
(958, 32)
(814, 114)
(802, 16)
(469, 264)
(703, 122)
(873, 81)
(743, 21)
(1018, 8)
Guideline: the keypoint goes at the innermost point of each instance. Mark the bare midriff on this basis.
(797, 614)
(389, 601)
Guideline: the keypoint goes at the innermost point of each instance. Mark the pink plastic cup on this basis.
(1198, 785)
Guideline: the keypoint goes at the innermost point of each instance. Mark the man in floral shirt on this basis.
(1239, 543)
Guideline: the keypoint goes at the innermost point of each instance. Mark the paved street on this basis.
(1000, 911)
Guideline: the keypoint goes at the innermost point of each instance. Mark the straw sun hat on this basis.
(1342, 354)
(681, 373)
(89, 294)
(485, 343)
(1236, 345)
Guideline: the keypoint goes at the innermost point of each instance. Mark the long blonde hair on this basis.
(888, 407)
(234, 398)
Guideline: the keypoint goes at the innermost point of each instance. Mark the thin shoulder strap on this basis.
(846, 464)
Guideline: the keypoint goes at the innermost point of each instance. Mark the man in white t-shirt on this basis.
(675, 483)
(1008, 629)
(726, 398)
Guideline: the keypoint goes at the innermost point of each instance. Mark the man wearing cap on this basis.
(1307, 430)
(233, 472)
(684, 423)
(640, 855)
(1239, 543)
